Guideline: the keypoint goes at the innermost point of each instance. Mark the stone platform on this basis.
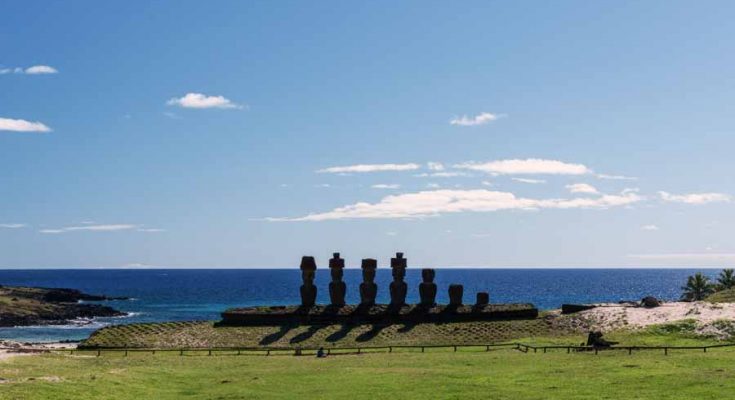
(379, 313)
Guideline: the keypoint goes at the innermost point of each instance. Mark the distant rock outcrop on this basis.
(24, 306)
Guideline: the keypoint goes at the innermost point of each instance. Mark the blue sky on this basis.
(246, 134)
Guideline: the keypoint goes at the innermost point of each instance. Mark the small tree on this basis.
(726, 279)
(697, 288)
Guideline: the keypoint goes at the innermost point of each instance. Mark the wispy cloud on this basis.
(479, 119)
(386, 186)
(21, 125)
(649, 227)
(201, 101)
(13, 226)
(582, 188)
(442, 174)
(93, 228)
(362, 168)
(34, 70)
(151, 230)
(530, 166)
(437, 202)
(529, 181)
(435, 166)
(617, 177)
(695, 198)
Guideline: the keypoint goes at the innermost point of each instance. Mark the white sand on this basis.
(10, 349)
(614, 315)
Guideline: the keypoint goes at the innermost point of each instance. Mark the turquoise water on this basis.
(201, 294)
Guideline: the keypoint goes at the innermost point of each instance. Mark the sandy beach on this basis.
(10, 348)
(711, 319)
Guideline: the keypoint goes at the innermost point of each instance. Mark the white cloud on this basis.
(40, 69)
(443, 174)
(360, 168)
(695, 198)
(392, 233)
(151, 230)
(479, 119)
(437, 202)
(93, 228)
(199, 100)
(386, 186)
(323, 185)
(21, 125)
(526, 167)
(617, 177)
(529, 181)
(582, 188)
(34, 70)
(649, 228)
(435, 166)
(487, 183)
(433, 185)
(13, 226)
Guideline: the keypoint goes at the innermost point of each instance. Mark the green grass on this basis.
(722, 296)
(470, 373)
(436, 374)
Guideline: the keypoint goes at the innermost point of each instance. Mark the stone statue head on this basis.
(398, 261)
(336, 262)
(369, 265)
(427, 275)
(308, 269)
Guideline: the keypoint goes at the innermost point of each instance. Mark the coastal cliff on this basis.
(24, 306)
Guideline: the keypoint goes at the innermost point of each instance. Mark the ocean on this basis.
(202, 294)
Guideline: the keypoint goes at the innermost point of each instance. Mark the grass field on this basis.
(439, 373)
(436, 374)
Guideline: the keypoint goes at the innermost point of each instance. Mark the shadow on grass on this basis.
(371, 334)
(343, 331)
(275, 336)
(306, 334)
(407, 327)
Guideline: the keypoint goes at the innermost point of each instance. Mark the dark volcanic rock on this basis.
(575, 308)
(49, 306)
(650, 302)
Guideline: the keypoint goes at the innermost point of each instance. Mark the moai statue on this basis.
(368, 288)
(398, 287)
(427, 288)
(308, 290)
(337, 288)
(455, 295)
(483, 299)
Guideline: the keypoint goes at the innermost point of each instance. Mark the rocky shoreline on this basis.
(26, 306)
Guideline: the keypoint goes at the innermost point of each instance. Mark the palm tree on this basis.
(726, 279)
(697, 288)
